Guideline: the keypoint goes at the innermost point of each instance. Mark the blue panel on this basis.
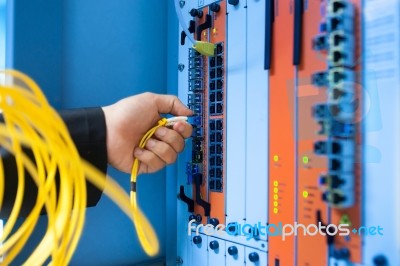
(113, 49)
(36, 37)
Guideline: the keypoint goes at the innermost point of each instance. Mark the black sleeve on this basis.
(88, 131)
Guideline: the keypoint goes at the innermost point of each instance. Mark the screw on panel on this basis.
(182, 3)
(181, 67)
(179, 261)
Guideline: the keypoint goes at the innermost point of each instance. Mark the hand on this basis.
(129, 119)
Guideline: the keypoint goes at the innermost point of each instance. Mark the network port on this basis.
(320, 111)
(219, 96)
(196, 85)
(319, 43)
(195, 121)
(319, 79)
(219, 124)
(340, 57)
(195, 98)
(340, 22)
(219, 60)
(197, 132)
(342, 8)
(212, 96)
(220, 48)
(195, 73)
(197, 156)
(339, 199)
(195, 62)
(338, 75)
(219, 108)
(219, 84)
(342, 165)
(196, 108)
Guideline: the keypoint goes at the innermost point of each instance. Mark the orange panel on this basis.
(281, 138)
(217, 34)
(310, 166)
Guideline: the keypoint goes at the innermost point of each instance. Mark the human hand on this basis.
(129, 119)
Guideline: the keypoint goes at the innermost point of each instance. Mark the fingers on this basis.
(168, 104)
(149, 162)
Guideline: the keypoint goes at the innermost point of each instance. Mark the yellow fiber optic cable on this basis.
(30, 123)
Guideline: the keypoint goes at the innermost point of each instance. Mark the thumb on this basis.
(169, 104)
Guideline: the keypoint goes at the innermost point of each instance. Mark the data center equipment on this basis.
(295, 126)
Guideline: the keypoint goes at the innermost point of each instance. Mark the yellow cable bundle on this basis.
(30, 122)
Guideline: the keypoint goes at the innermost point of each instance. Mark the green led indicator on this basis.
(306, 159)
(276, 158)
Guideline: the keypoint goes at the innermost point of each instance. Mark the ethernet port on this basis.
(197, 157)
(219, 96)
(335, 164)
(212, 85)
(219, 161)
(338, 39)
(219, 124)
(334, 23)
(334, 181)
(219, 60)
(218, 148)
(218, 172)
(336, 148)
(211, 184)
(338, 6)
(212, 109)
(320, 111)
(211, 173)
(212, 149)
(319, 43)
(218, 185)
(320, 148)
(212, 125)
(337, 56)
(319, 79)
(220, 48)
(212, 137)
(212, 62)
(219, 136)
(197, 145)
(219, 108)
(212, 74)
(219, 84)
(337, 93)
(212, 161)
(219, 72)
(212, 97)
(335, 110)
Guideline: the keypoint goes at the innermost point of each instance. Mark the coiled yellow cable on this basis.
(31, 123)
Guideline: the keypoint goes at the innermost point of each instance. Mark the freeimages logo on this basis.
(282, 230)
